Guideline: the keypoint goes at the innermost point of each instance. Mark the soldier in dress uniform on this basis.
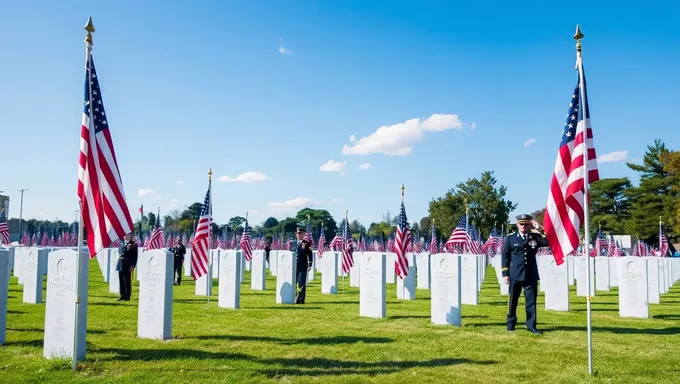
(520, 269)
(179, 251)
(126, 265)
(304, 264)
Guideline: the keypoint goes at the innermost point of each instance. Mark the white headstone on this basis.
(204, 284)
(329, 272)
(654, 295)
(114, 280)
(355, 271)
(155, 295)
(543, 263)
(19, 256)
(242, 271)
(10, 250)
(104, 261)
(556, 282)
(32, 274)
(633, 286)
(273, 261)
(669, 270)
(581, 283)
(312, 272)
(571, 269)
(215, 255)
(257, 273)
(446, 289)
(498, 267)
(469, 279)
(139, 270)
(187, 262)
(229, 286)
(60, 310)
(423, 270)
(249, 263)
(602, 273)
(372, 302)
(663, 286)
(406, 287)
(613, 273)
(481, 269)
(339, 263)
(390, 275)
(285, 278)
(4, 290)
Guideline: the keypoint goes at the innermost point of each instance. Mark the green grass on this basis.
(325, 340)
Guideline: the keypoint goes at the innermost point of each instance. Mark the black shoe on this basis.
(511, 328)
(535, 331)
(120, 299)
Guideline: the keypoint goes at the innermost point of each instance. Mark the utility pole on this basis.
(21, 210)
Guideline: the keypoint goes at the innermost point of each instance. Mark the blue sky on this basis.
(276, 90)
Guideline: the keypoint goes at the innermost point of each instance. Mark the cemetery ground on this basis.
(325, 340)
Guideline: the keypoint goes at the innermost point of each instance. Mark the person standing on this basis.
(520, 270)
(179, 251)
(126, 265)
(304, 264)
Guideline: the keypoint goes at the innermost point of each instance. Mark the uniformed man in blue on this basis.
(520, 270)
(303, 252)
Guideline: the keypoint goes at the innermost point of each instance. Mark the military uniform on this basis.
(179, 251)
(304, 256)
(127, 260)
(519, 264)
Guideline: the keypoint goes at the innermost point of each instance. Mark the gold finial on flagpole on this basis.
(89, 27)
(308, 218)
(210, 175)
(578, 36)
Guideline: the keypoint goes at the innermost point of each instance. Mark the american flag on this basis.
(105, 213)
(459, 237)
(492, 242)
(564, 212)
(347, 249)
(308, 233)
(601, 243)
(322, 243)
(663, 240)
(401, 242)
(4, 230)
(336, 242)
(201, 245)
(156, 241)
(245, 242)
(433, 240)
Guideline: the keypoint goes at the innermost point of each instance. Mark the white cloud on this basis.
(285, 51)
(246, 177)
(398, 139)
(144, 192)
(365, 166)
(529, 142)
(333, 166)
(179, 182)
(613, 157)
(292, 204)
(334, 200)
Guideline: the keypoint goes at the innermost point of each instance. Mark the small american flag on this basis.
(200, 246)
(245, 243)
(564, 213)
(4, 230)
(459, 237)
(433, 240)
(157, 241)
(347, 249)
(322, 243)
(336, 243)
(663, 241)
(401, 243)
(104, 211)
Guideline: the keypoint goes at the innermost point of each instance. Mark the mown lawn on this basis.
(325, 340)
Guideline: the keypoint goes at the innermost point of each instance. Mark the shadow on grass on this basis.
(26, 343)
(124, 354)
(333, 340)
(667, 317)
(13, 312)
(408, 317)
(289, 306)
(41, 330)
(620, 330)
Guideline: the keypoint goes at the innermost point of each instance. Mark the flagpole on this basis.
(660, 231)
(586, 204)
(208, 275)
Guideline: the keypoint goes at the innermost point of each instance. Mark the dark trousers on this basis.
(125, 283)
(178, 270)
(302, 283)
(530, 293)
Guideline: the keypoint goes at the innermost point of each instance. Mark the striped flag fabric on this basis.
(322, 243)
(433, 240)
(244, 243)
(459, 237)
(401, 243)
(156, 241)
(4, 229)
(564, 212)
(663, 241)
(347, 249)
(104, 210)
(200, 246)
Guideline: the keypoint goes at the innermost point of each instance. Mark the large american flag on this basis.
(401, 242)
(4, 230)
(105, 213)
(663, 241)
(200, 247)
(564, 213)
(245, 242)
(347, 249)
(156, 241)
(459, 237)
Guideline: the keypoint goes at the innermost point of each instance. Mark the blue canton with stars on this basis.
(575, 114)
(95, 99)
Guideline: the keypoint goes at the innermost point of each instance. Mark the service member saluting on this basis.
(520, 269)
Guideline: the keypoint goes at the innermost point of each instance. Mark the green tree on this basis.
(271, 222)
(486, 204)
(379, 230)
(318, 217)
(236, 223)
(192, 212)
(426, 226)
(356, 227)
(610, 207)
(671, 164)
(654, 197)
